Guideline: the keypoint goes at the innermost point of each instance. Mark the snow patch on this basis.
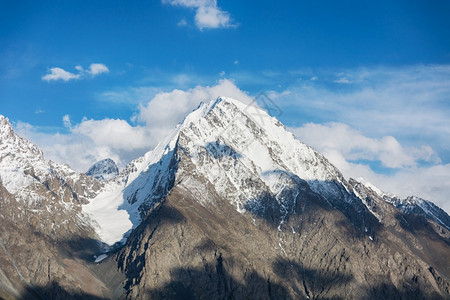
(99, 258)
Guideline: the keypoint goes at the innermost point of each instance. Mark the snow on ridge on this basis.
(18, 158)
(262, 145)
(113, 214)
(409, 205)
(371, 186)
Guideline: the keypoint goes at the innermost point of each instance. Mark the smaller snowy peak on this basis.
(417, 206)
(105, 169)
(5, 127)
(10, 142)
(410, 205)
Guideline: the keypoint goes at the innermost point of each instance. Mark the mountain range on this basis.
(229, 205)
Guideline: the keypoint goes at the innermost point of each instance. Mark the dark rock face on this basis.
(103, 170)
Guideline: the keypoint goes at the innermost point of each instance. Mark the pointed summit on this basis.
(5, 127)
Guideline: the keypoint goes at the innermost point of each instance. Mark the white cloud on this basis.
(431, 183)
(207, 13)
(60, 74)
(115, 133)
(342, 80)
(182, 23)
(80, 152)
(66, 121)
(95, 69)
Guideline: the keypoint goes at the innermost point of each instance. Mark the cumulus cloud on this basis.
(207, 13)
(95, 69)
(431, 183)
(61, 74)
(116, 134)
(80, 152)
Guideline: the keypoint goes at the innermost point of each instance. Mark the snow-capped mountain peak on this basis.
(18, 158)
(105, 169)
(12, 143)
(238, 149)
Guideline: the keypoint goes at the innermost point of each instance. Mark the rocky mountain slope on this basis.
(231, 205)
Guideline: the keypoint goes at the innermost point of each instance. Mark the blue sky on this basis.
(376, 71)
